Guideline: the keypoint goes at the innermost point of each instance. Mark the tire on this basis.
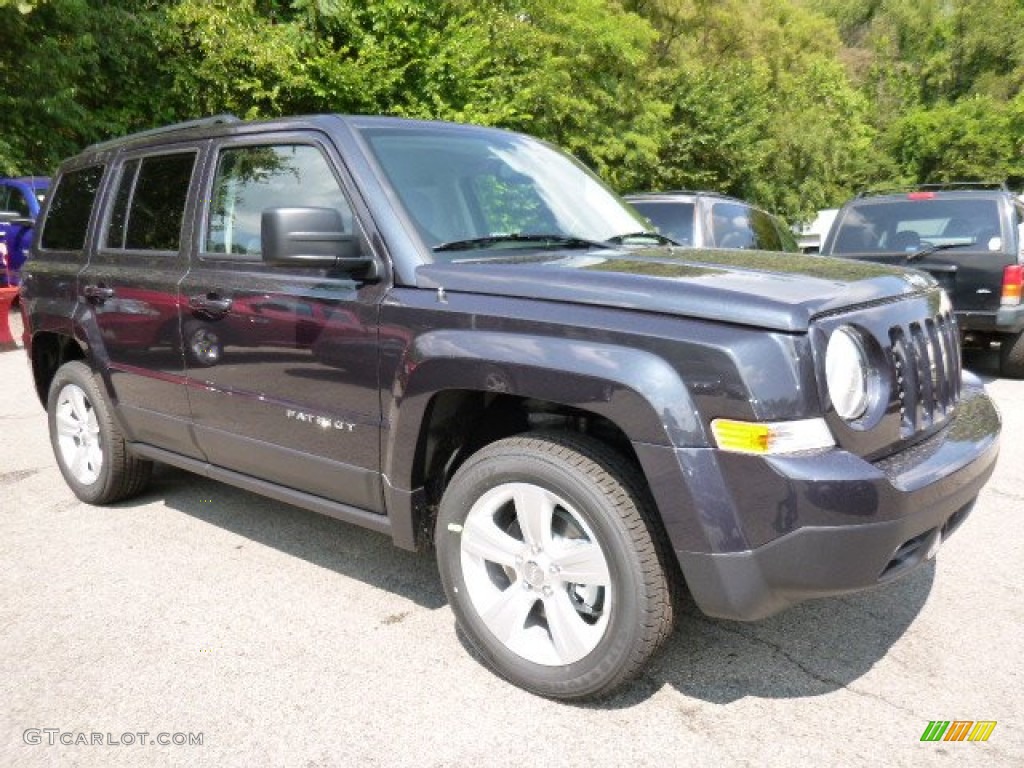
(91, 451)
(202, 345)
(1011, 356)
(554, 566)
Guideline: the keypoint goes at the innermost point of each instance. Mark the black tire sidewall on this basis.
(603, 665)
(1011, 356)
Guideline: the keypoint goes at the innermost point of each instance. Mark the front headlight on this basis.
(848, 373)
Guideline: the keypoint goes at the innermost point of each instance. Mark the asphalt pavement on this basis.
(244, 632)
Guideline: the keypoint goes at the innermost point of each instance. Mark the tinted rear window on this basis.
(158, 203)
(67, 221)
(907, 225)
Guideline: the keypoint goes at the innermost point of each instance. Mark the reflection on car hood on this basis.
(780, 291)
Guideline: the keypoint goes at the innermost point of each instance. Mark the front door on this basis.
(282, 362)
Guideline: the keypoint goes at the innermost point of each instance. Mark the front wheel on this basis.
(553, 564)
(90, 449)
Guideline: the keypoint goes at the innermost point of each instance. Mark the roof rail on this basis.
(948, 186)
(174, 127)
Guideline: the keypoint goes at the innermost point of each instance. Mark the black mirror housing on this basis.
(311, 237)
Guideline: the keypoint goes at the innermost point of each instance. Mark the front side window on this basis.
(672, 219)
(249, 180)
(67, 221)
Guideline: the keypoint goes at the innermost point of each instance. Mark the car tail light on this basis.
(1013, 276)
(921, 196)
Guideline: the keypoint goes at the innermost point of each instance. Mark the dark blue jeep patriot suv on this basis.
(459, 337)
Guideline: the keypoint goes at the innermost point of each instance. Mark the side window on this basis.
(119, 215)
(731, 225)
(67, 221)
(766, 237)
(673, 220)
(157, 203)
(18, 203)
(250, 180)
(5, 193)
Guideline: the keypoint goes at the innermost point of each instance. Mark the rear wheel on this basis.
(1011, 356)
(91, 451)
(553, 564)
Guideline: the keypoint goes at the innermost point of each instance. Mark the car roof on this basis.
(922, 195)
(31, 181)
(226, 125)
(682, 194)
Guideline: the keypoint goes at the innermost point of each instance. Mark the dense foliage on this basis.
(791, 103)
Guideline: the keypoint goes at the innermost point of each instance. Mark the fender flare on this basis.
(635, 389)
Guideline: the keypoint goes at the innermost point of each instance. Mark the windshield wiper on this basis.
(562, 241)
(655, 236)
(929, 249)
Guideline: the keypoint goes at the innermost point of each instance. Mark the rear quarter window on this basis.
(67, 221)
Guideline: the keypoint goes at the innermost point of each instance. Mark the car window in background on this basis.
(17, 203)
(787, 238)
(731, 226)
(68, 220)
(250, 180)
(906, 225)
(766, 234)
(672, 219)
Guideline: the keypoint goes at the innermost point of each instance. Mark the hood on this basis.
(778, 291)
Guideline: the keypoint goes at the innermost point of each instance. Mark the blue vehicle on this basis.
(20, 201)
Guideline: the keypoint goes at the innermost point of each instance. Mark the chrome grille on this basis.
(926, 361)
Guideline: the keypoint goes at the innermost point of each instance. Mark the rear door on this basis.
(130, 289)
(282, 360)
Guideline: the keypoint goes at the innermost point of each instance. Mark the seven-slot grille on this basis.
(926, 362)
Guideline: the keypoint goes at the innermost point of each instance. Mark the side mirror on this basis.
(312, 237)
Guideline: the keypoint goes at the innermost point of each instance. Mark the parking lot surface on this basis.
(273, 636)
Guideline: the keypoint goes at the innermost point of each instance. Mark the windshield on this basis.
(499, 190)
(908, 226)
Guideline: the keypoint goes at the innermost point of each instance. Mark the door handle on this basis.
(210, 303)
(98, 292)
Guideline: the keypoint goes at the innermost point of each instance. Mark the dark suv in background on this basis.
(459, 337)
(711, 220)
(969, 238)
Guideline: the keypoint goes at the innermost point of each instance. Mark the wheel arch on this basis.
(459, 391)
(49, 351)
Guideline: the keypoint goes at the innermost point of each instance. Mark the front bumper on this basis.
(832, 523)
